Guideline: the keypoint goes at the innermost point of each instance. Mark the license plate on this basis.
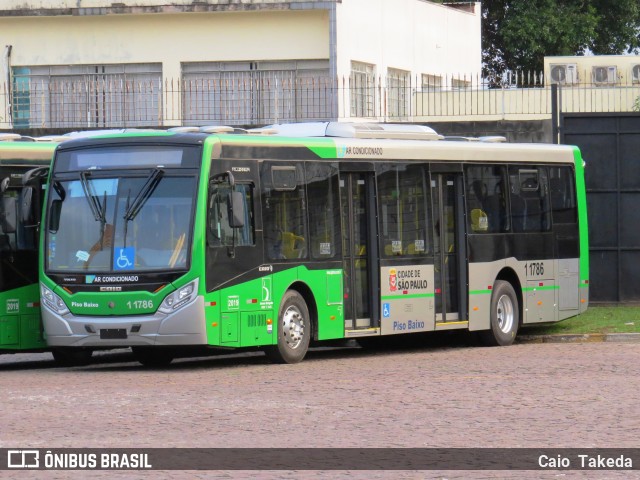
(113, 333)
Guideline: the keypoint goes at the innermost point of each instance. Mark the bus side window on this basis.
(562, 192)
(403, 212)
(486, 203)
(324, 210)
(284, 211)
(530, 205)
(219, 231)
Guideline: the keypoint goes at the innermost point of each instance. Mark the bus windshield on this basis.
(101, 224)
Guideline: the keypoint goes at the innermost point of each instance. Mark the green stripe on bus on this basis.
(480, 292)
(581, 192)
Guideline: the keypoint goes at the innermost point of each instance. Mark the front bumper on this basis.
(187, 326)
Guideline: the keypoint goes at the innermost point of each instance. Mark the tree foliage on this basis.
(518, 34)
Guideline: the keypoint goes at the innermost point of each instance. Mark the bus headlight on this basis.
(53, 301)
(180, 297)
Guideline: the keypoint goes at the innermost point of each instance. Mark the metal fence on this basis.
(119, 103)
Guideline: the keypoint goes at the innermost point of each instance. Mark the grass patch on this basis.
(597, 319)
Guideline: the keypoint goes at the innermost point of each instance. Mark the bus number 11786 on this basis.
(140, 304)
(534, 269)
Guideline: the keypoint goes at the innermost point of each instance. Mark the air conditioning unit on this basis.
(635, 73)
(604, 75)
(563, 73)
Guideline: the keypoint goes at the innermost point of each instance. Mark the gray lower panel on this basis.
(185, 327)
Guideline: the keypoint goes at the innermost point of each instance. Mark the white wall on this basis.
(48, 4)
(167, 38)
(413, 35)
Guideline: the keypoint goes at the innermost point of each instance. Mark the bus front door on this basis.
(360, 250)
(450, 278)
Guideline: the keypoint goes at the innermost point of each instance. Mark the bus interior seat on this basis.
(292, 245)
(479, 220)
(412, 249)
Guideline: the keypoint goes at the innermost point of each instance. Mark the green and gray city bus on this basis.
(24, 165)
(301, 233)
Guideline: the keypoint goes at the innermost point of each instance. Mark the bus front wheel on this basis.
(72, 357)
(293, 330)
(505, 316)
(153, 356)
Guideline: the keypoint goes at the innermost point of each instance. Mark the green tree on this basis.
(518, 34)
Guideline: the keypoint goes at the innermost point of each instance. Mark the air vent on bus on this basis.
(352, 130)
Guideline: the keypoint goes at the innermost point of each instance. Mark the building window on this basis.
(460, 84)
(362, 89)
(249, 93)
(399, 85)
(87, 96)
(431, 82)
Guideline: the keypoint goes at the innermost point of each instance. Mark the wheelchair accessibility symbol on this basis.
(123, 258)
(386, 310)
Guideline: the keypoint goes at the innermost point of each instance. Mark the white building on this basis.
(95, 63)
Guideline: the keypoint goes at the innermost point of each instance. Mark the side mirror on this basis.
(38, 174)
(54, 215)
(236, 209)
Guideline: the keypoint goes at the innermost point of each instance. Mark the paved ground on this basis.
(546, 395)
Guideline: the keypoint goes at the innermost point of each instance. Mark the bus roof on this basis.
(336, 140)
(38, 152)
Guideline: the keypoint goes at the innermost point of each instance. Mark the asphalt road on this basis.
(574, 395)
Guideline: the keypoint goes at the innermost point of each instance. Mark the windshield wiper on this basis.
(90, 194)
(143, 195)
(98, 209)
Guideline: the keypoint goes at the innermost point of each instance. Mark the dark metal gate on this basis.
(610, 145)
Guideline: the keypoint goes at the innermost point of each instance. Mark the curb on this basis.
(581, 338)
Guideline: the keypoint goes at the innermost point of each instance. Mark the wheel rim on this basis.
(293, 327)
(504, 314)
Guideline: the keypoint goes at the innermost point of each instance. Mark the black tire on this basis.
(505, 316)
(72, 357)
(293, 330)
(153, 356)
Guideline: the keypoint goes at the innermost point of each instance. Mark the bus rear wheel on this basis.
(505, 316)
(293, 330)
(153, 356)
